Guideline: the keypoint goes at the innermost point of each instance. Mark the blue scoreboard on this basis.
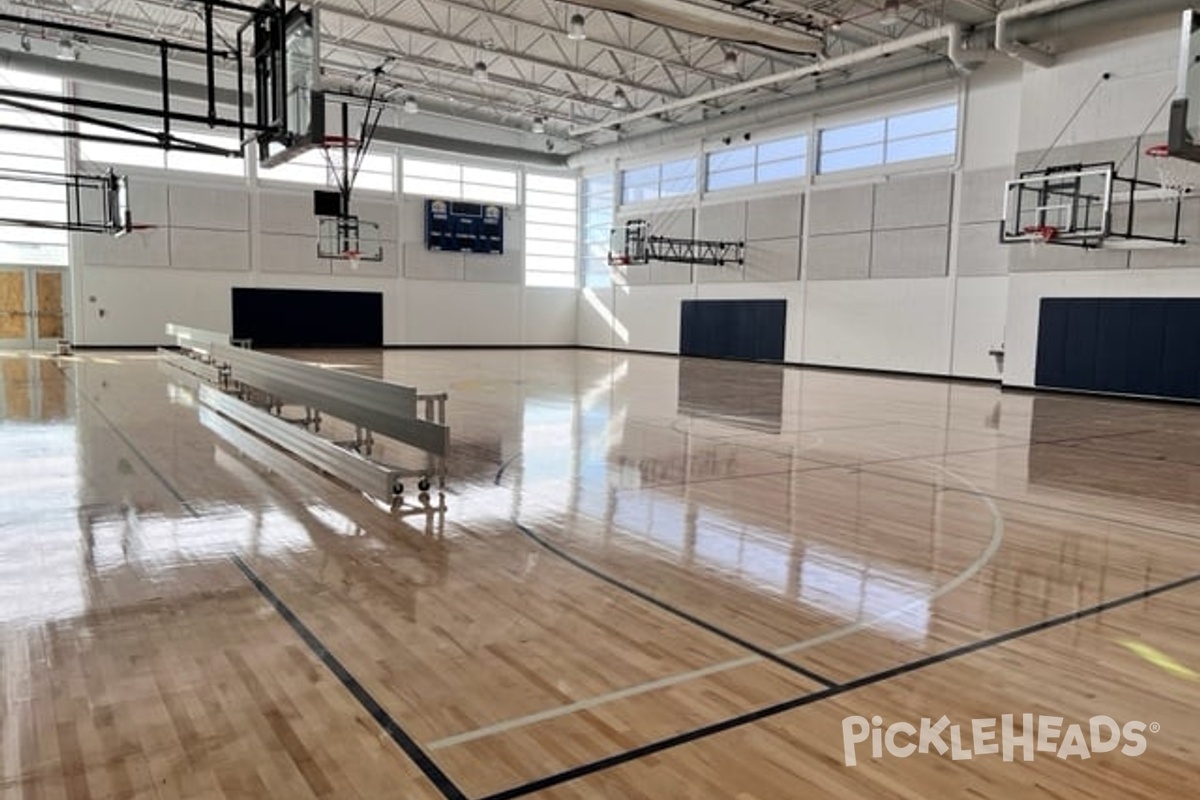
(464, 227)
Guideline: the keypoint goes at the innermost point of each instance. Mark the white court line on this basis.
(683, 677)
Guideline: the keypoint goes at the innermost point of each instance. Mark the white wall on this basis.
(891, 279)
(875, 279)
(898, 286)
(1140, 60)
(213, 233)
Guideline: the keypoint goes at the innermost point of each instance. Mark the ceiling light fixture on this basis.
(730, 65)
(539, 125)
(410, 105)
(575, 31)
(66, 50)
(479, 72)
(26, 45)
(83, 6)
(891, 13)
(620, 102)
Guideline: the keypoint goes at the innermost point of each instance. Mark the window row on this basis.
(313, 167)
(910, 136)
(30, 186)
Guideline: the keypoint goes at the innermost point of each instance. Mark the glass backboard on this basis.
(1064, 204)
(287, 57)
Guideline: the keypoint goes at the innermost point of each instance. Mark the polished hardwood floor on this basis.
(655, 578)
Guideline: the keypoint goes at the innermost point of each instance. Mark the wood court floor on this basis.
(656, 578)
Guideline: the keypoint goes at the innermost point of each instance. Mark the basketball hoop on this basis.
(1178, 175)
(338, 141)
(1039, 235)
(331, 144)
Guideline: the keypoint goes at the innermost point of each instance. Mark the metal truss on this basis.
(429, 48)
(694, 251)
(633, 244)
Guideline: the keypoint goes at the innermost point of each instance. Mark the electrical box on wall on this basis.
(464, 227)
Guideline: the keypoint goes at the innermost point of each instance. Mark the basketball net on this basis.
(353, 259)
(1174, 174)
(1039, 235)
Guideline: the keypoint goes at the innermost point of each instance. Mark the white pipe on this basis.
(857, 57)
(1021, 51)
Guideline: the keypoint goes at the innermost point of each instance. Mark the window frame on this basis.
(551, 247)
(458, 187)
(755, 164)
(652, 177)
(883, 163)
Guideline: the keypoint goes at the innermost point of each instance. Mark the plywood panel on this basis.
(49, 285)
(12, 305)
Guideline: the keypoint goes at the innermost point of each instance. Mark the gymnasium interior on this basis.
(495, 399)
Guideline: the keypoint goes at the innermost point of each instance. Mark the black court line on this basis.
(678, 612)
(405, 742)
(652, 748)
(665, 606)
(364, 698)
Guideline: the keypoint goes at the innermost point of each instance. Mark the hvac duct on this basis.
(1072, 20)
(433, 141)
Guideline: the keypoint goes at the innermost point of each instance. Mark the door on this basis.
(32, 308)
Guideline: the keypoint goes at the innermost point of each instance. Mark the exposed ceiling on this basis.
(637, 54)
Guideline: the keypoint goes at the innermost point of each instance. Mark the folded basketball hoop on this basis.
(1178, 175)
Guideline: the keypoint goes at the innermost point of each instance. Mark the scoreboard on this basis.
(455, 226)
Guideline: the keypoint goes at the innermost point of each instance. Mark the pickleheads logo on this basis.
(989, 737)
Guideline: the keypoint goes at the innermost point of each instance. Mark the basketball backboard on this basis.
(287, 57)
(1070, 204)
(627, 244)
(348, 238)
(1183, 139)
(1090, 206)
